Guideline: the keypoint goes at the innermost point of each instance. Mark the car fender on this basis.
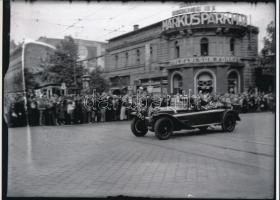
(177, 123)
(232, 112)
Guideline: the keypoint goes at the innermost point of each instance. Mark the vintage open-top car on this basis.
(164, 120)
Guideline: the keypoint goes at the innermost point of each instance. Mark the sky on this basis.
(105, 20)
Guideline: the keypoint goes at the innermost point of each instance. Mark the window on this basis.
(138, 56)
(177, 50)
(177, 84)
(126, 58)
(233, 82)
(151, 51)
(204, 47)
(232, 41)
(116, 60)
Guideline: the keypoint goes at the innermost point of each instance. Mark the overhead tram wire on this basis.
(80, 20)
(113, 18)
(140, 20)
(151, 15)
(110, 18)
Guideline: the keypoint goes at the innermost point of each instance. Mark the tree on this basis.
(269, 40)
(97, 81)
(30, 80)
(62, 66)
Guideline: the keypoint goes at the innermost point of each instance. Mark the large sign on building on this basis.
(204, 18)
(204, 59)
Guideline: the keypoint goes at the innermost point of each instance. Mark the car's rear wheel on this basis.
(138, 127)
(164, 128)
(229, 123)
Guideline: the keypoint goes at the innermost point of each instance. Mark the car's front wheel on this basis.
(229, 123)
(138, 127)
(163, 128)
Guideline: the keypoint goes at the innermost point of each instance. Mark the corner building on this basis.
(204, 51)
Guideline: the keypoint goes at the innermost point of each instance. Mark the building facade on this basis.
(91, 53)
(30, 55)
(135, 59)
(197, 49)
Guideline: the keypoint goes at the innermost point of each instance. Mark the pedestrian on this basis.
(123, 109)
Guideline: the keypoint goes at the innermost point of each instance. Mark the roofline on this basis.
(136, 31)
(42, 37)
(157, 23)
(40, 43)
(28, 41)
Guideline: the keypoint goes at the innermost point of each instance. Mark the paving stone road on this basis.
(105, 159)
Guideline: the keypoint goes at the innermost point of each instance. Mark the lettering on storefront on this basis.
(204, 18)
(204, 60)
(193, 9)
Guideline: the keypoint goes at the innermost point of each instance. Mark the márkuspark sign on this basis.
(204, 59)
(204, 18)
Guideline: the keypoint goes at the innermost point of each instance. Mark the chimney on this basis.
(135, 27)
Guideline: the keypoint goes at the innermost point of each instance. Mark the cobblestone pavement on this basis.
(105, 159)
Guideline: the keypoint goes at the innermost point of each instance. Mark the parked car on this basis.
(164, 120)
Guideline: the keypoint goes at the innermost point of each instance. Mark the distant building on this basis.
(30, 55)
(87, 49)
(197, 49)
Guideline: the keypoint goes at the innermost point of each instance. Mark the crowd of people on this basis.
(80, 109)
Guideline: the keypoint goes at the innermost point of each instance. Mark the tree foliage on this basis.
(97, 81)
(62, 66)
(30, 80)
(270, 39)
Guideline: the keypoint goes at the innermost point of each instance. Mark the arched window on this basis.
(204, 47)
(232, 43)
(177, 84)
(177, 49)
(233, 82)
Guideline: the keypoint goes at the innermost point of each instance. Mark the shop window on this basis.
(204, 47)
(177, 50)
(205, 83)
(233, 82)
(177, 84)
(232, 46)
